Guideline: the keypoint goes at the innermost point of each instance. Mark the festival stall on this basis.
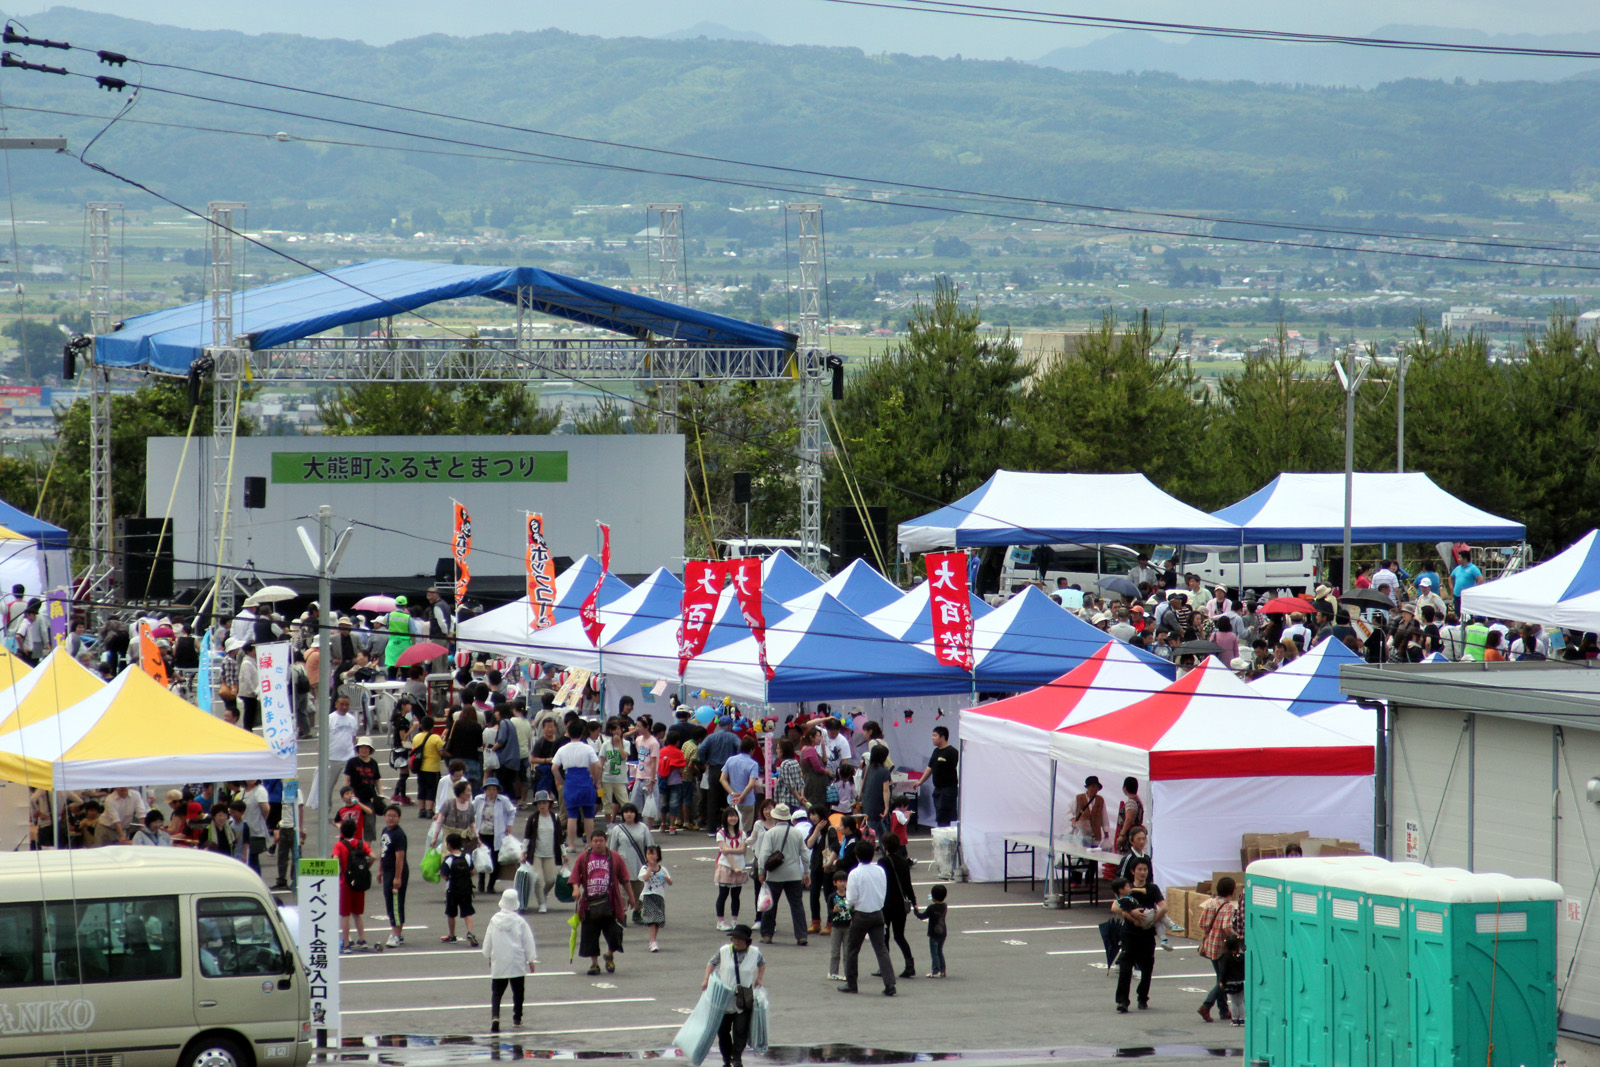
(505, 631)
(130, 733)
(1033, 508)
(37, 567)
(783, 578)
(57, 682)
(1311, 682)
(1007, 769)
(859, 587)
(1562, 591)
(910, 618)
(1308, 509)
(1221, 762)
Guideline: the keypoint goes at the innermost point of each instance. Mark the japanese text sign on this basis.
(952, 613)
(702, 586)
(541, 575)
(318, 897)
(336, 465)
(461, 548)
(277, 700)
(745, 574)
(590, 612)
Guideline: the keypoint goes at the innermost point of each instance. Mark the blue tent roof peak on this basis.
(287, 311)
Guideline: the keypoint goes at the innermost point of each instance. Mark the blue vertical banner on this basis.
(203, 688)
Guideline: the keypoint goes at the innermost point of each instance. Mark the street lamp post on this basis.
(1351, 379)
(324, 558)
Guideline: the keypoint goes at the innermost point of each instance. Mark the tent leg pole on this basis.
(1050, 852)
(1380, 829)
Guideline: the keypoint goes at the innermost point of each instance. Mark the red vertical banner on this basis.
(461, 547)
(952, 612)
(702, 586)
(150, 657)
(590, 612)
(745, 574)
(541, 575)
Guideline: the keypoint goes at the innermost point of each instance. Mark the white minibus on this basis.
(146, 956)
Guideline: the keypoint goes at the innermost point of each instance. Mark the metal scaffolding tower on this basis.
(811, 356)
(227, 376)
(668, 274)
(98, 577)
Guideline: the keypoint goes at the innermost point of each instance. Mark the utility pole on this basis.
(325, 560)
(1351, 379)
(1403, 364)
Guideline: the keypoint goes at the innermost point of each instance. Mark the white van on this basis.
(762, 547)
(146, 956)
(1080, 565)
(1266, 567)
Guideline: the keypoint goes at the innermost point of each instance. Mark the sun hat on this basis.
(741, 932)
(365, 742)
(781, 813)
(509, 900)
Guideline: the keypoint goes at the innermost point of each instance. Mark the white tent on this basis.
(1309, 509)
(1562, 591)
(35, 567)
(1031, 508)
(1214, 761)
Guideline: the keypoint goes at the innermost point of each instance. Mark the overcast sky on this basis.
(821, 22)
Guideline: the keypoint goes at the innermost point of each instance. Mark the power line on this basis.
(703, 157)
(1054, 18)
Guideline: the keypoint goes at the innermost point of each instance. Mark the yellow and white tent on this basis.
(57, 682)
(133, 732)
(12, 670)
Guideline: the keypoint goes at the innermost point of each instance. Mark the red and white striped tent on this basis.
(1006, 766)
(1221, 761)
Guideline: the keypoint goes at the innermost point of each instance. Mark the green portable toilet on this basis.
(1266, 1029)
(1350, 978)
(1484, 959)
(1387, 908)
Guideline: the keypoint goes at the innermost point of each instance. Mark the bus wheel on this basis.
(214, 1050)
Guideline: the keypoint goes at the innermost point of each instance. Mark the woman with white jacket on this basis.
(508, 943)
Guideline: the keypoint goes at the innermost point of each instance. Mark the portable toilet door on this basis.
(1266, 984)
(1433, 982)
(1350, 978)
(1307, 975)
(1502, 934)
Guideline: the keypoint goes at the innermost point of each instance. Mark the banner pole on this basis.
(600, 655)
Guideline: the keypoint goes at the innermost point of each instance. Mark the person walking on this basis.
(630, 838)
(355, 878)
(781, 863)
(1141, 905)
(1221, 918)
(601, 884)
(428, 749)
(729, 874)
(456, 873)
(865, 890)
(493, 815)
(395, 874)
(741, 967)
(838, 923)
(653, 900)
(935, 915)
(577, 769)
(875, 789)
(546, 841)
(363, 774)
(513, 954)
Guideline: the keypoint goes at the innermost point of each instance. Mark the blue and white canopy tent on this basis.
(1031, 640)
(1308, 509)
(910, 618)
(1030, 508)
(1562, 591)
(783, 578)
(858, 587)
(504, 631)
(1311, 682)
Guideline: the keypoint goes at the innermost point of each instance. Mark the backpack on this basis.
(358, 868)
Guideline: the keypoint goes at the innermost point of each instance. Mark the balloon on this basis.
(703, 715)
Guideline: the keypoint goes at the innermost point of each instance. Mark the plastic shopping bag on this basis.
(524, 886)
(510, 851)
(758, 1022)
(563, 888)
(652, 809)
(435, 838)
(432, 865)
(764, 898)
(699, 1031)
(482, 862)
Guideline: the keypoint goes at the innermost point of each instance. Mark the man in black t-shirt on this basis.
(362, 773)
(394, 872)
(942, 772)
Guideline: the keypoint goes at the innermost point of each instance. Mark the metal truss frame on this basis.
(97, 579)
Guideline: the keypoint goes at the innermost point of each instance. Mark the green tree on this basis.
(1119, 403)
(424, 409)
(739, 426)
(158, 409)
(38, 342)
(615, 416)
(930, 419)
(1280, 414)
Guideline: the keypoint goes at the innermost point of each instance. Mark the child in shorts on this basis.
(456, 874)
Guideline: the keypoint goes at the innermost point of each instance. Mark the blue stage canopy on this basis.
(18, 521)
(284, 312)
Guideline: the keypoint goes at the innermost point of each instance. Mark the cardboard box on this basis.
(1206, 888)
(1178, 903)
(1192, 925)
(1344, 848)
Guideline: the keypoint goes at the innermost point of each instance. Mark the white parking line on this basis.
(1026, 929)
(1213, 974)
(526, 1006)
(1081, 951)
(424, 978)
(581, 1030)
(1030, 904)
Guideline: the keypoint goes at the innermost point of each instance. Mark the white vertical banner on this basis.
(277, 700)
(317, 893)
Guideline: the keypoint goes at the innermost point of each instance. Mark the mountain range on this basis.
(1410, 147)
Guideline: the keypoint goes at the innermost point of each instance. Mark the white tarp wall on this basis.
(38, 570)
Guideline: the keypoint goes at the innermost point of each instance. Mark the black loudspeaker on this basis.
(255, 492)
(848, 539)
(143, 559)
(444, 570)
(741, 487)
